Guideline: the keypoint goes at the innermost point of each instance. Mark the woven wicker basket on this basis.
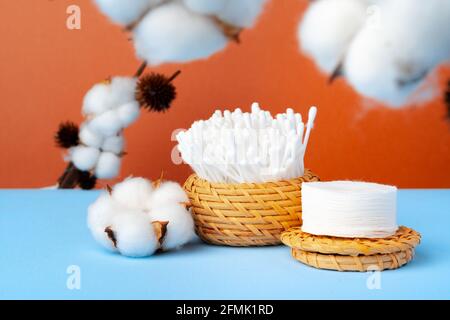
(246, 214)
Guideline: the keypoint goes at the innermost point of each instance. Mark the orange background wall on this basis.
(45, 69)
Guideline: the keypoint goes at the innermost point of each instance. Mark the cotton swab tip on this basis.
(312, 115)
(255, 107)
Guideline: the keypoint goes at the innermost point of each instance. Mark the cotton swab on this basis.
(311, 117)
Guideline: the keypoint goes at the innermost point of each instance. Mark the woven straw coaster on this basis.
(403, 240)
(376, 262)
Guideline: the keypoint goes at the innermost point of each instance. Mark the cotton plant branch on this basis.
(203, 28)
(96, 148)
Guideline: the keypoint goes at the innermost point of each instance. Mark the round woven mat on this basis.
(376, 262)
(404, 239)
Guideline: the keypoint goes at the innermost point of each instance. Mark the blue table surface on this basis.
(43, 233)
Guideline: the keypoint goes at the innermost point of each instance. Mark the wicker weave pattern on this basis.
(354, 263)
(404, 239)
(247, 214)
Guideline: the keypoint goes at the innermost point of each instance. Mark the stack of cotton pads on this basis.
(350, 226)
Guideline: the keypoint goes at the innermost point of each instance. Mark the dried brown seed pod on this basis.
(67, 135)
(156, 92)
(87, 180)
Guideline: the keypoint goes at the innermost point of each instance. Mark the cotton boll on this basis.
(124, 12)
(128, 113)
(373, 2)
(97, 99)
(133, 192)
(134, 234)
(180, 229)
(105, 96)
(241, 13)
(100, 235)
(113, 144)
(389, 60)
(205, 6)
(101, 212)
(168, 193)
(108, 166)
(172, 33)
(122, 90)
(370, 69)
(420, 29)
(107, 123)
(100, 216)
(84, 158)
(90, 138)
(376, 66)
(328, 28)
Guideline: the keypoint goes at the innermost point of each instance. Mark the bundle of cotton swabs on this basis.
(239, 147)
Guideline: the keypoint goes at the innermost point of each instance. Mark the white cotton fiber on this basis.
(371, 68)
(101, 212)
(134, 234)
(420, 28)
(107, 124)
(124, 11)
(241, 13)
(113, 144)
(84, 158)
(205, 6)
(89, 137)
(97, 99)
(128, 113)
(180, 229)
(172, 33)
(100, 235)
(133, 192)
(108, 166)
(105, 96)
(389, 61)
(168, 193)
(122, 90)
(100, 215)
(327, 29)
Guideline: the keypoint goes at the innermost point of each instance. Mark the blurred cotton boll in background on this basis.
(125, 11)
(385, 49)
(173, 33)
(326, 35)
(167, 31)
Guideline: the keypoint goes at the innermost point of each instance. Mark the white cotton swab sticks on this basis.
(311, 117)
(237, 147)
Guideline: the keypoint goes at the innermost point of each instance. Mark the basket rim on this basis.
(220, 185)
